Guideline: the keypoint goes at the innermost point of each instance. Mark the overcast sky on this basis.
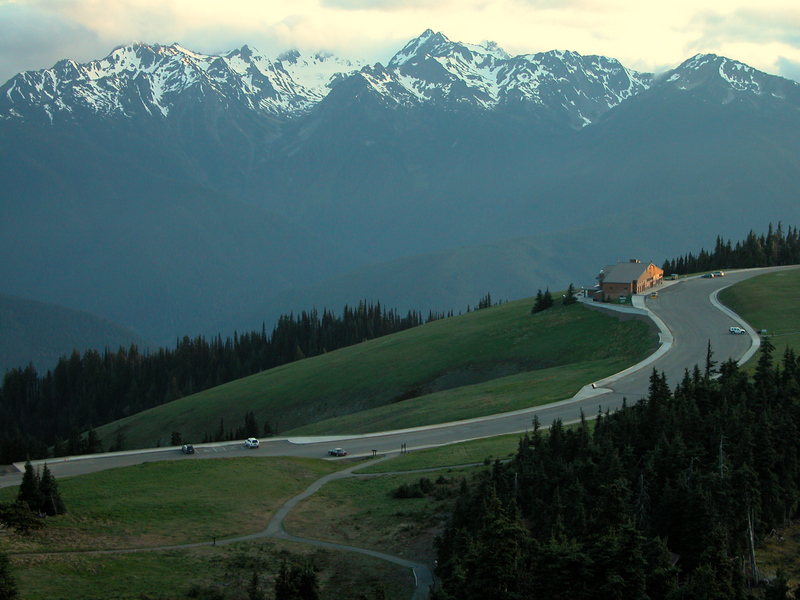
(642, 34)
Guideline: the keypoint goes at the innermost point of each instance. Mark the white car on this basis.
(251, 443)
(737, 331)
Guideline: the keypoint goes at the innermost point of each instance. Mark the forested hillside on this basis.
(41, 333)
(771, 250)
(98, 387)
(665, 499)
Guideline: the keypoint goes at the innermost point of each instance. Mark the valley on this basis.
(452, 170)
(162, 194)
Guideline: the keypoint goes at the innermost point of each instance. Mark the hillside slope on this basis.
(443, 365)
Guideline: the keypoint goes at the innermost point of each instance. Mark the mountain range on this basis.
(175, 193)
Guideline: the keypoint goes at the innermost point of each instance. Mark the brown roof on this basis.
(624, 272)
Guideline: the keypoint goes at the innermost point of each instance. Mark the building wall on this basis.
(612, 291)
(651, 277)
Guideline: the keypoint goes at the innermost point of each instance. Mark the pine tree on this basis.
(284, 588)
(537, 305)
(52, 504)
(710, 364)
(8, 586)
(547, 299)
(250, 425)
(543, 301)
(254, 590)
(30, 489)
(569, 297)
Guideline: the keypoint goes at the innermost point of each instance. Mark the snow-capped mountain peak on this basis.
(148, 79)
(564, 87)
(433, 69)
(724, 80)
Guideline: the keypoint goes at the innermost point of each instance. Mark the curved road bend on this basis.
(688, 306)
(685, 306)
(690, 317)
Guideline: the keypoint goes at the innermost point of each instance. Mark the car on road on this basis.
(708, 276)
(337, 452)
(737, 331)
(719, 273)
(187, 449)
(251, 443)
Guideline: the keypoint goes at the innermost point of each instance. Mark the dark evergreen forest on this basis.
(665, 499)
(774, 249)
(89, 390)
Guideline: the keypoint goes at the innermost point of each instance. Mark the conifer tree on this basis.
(254, 590)
(52, 504)
(30, 490)
(250, 425)
(547, 299)
(569, 297)
(8, 586)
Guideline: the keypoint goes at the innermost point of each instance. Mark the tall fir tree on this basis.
(30, 490)
(52, 503)
(8, 585)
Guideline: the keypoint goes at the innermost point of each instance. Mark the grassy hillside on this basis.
(177, 502)
(769, 302)
(483, 362)
(169, 502)
(42, 333)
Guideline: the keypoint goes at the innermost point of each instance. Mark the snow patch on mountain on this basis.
(434, 69)
(144, 78)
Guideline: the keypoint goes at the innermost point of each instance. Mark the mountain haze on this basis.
(179, 193)
(39, 334)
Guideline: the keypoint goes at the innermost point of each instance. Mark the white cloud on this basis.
(788, 68)
(642, 35)
(32, 39)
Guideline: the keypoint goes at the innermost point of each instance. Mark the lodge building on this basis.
(626, 278)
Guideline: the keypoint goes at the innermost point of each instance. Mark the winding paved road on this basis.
(686, 312)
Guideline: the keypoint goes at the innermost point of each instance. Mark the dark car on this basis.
(337, 452)
(188, 449)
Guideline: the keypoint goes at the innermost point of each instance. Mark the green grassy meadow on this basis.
(769, 302)
(363, 512)
(170, 503)
(487, 361)
(451, 455)
(221, 572)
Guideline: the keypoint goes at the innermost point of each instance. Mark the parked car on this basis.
(654, 294)
(337, 452)
(737, 330)
(251, 443)
(187, 449)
